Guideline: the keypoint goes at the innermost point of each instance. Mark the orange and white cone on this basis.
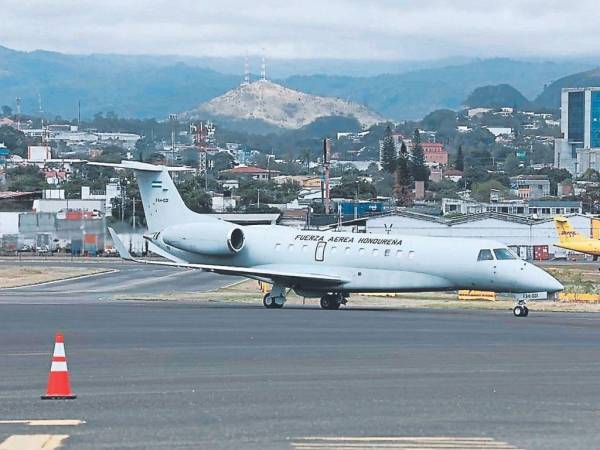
(58, 379)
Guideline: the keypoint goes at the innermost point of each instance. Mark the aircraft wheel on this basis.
(326, 301)
(525, 311)
(329, 302)
(268, 301)
(519, 311)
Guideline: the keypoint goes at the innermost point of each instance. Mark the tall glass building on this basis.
(579, 148)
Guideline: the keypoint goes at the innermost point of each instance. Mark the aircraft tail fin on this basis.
(163, 205)
(566, 232)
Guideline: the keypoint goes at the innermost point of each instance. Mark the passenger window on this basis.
(305, 248)
(503, 253)
(399, 253)
(333, 249)
(347, 251)
(411, 254)
(361, 251)
(291, 247)
(387, 252)
(277, 247)
(375, 252)
(485, 255)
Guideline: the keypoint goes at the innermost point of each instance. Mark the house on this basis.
(434, 153)
(530, 186)
(453, 175)
(253, 172)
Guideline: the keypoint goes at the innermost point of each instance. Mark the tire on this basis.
(525, 311)
(268, 300)
(518, 311)
(326, 302)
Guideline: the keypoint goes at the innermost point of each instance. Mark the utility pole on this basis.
(172, 119)
(326, 158)
(133, 214)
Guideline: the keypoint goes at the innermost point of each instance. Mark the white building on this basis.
(111, 192)
(510, 230)
(539, 209)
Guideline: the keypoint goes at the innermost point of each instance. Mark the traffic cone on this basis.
(58, 379)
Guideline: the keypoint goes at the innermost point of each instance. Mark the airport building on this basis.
(579, 148)
(521, 233)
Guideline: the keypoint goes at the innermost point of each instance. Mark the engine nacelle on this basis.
(208, 238)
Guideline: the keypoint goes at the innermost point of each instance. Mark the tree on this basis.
(194, 196)
(388, 152)
(144, 148)
(14, 140)
(25, 179)
(6, 111)
(402, 189)
(419, 169)
(459, 162)
(481, 191)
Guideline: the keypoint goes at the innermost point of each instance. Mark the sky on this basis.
(345, 29)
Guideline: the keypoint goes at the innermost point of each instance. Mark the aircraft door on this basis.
(320, 251)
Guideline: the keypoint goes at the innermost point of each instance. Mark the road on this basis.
(205, 375)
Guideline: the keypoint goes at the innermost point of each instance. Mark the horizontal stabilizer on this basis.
(118, 243)
(144, 167)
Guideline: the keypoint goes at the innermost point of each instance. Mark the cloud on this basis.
(353, 29)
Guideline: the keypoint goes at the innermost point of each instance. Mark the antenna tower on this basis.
(263, 70)
(246, 72)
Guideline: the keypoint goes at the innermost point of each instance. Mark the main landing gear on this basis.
(333, 300)
(521, 309)
(275, 298)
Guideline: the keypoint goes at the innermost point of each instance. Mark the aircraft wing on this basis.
(290, 273)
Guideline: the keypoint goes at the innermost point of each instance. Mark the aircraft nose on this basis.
(547, 282)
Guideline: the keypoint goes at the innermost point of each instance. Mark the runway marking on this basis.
(400, 442)
(73, 278)
(44, 422)
(33, 442)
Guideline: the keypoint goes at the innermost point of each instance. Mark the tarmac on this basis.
(174, 374)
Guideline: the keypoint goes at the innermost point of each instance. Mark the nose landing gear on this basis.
(275, 298)
(521, 309)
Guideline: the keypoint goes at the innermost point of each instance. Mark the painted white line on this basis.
(76, 277)
(44, 422)
(229, 285)
(33, 442)
(400, 442)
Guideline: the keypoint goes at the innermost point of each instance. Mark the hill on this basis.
(497, 96)
(413, 95)
(279, 106)
(154, 86)
(550, 97)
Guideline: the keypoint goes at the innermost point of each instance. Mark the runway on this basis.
(203, 375)
(127, 278)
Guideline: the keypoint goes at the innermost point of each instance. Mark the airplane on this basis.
(329, 265)
(570, 239)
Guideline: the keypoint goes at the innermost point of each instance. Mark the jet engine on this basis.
(208, 238)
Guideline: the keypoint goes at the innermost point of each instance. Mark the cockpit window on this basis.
(485, 255)
(503, 253)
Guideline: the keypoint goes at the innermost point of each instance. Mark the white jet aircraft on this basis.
(329, 265)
